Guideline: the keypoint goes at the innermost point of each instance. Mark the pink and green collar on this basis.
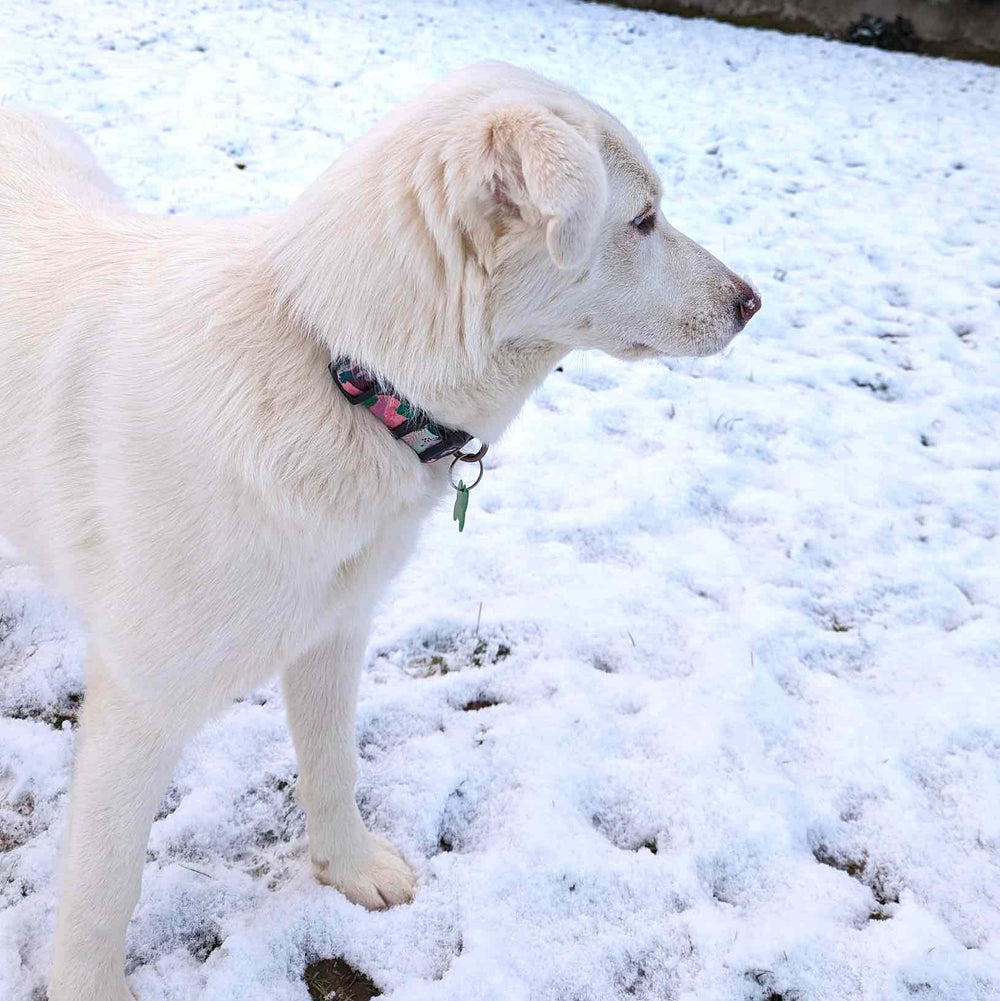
(428, 439)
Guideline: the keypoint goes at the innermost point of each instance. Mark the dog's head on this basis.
(564, 208)
(496, 210)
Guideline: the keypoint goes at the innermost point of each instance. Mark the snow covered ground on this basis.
(704, 705)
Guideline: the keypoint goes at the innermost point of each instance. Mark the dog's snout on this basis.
(747, 302)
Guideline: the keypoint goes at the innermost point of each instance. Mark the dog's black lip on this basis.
(636, 348)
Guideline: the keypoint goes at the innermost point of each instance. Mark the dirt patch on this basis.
(66, 710)
(474, 705)
(445, 654)
(879, 879)
(766, 990)
(337, 980)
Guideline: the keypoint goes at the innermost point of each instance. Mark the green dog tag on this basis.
(461, 504)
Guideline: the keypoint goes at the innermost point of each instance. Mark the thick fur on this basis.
(174, 453)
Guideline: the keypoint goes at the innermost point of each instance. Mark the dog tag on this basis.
(461, 504)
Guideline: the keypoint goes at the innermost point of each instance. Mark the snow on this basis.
(738, 618)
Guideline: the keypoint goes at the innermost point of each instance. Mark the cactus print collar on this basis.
(430, 441)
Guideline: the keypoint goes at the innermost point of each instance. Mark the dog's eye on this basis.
(645, 223)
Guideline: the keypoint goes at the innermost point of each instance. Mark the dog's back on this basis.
(121, 335)
(53, 195)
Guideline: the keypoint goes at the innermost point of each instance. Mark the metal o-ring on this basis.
(475, 456)
(464, 459)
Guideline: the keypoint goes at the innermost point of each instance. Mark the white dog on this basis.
(174, 450)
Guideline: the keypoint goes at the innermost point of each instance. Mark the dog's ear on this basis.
(544, 169)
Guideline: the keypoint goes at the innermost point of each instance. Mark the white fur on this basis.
(173, 450)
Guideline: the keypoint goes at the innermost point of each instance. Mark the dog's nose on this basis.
(747, 302)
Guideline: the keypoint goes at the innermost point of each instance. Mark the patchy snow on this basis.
(729, 728)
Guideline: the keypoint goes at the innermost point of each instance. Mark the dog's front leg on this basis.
(321, 693)
(126, 752)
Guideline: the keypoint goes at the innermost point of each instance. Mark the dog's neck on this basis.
(481, 400)
(413, 424)
(408, 303)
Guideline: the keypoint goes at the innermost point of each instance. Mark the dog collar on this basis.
(429, 440)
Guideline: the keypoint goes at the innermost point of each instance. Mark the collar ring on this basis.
(467, 458)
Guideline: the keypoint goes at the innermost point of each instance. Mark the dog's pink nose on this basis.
(748, 302)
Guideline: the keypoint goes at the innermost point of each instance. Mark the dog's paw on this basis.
(377, 878)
